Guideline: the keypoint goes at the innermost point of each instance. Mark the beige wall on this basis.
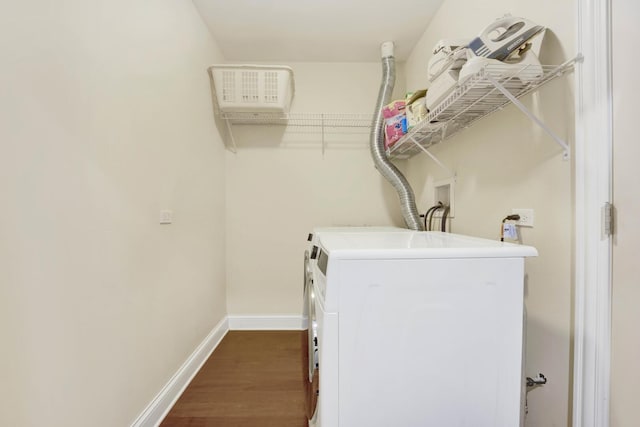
(280, 186)
(625, 373)
(105, 119)
(505, 161)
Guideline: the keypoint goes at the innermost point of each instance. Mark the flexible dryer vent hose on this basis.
(380, 159)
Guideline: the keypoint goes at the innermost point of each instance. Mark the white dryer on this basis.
(418, 329)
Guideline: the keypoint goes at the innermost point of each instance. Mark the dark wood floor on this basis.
(252, 379)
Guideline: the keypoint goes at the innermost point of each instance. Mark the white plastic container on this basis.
(252, 88)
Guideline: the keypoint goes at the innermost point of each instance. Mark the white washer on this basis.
(310, 341)
(419, 329)
(311, 253)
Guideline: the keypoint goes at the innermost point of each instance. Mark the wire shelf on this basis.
(320, 120)
(488, 90)
(480, 95)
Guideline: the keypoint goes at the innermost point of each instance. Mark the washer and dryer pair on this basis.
(414, 329)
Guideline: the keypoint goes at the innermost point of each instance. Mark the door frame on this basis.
(593, 191)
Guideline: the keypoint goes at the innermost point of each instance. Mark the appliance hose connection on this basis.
(538, 381)
(514, 217)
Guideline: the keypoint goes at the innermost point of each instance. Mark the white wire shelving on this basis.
(488, 90)
(317, 122)
(300, 119)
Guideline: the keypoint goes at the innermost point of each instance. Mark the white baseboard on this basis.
(239, 323)
(159, 407)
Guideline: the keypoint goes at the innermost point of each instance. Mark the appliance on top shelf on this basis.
(503, 37)
(503, 45)
(417, 329)
(444, 67)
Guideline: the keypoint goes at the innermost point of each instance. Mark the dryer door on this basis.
(310, 340)
(313, 373)
(306, 288)
(310, 347)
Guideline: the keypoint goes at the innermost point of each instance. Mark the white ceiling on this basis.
(315, 30)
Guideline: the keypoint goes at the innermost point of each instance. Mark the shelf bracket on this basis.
(533, 117)
(233, 147)
(451, 173)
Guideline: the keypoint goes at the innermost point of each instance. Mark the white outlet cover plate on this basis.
(526, 217)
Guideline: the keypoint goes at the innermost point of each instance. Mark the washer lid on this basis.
(317, 231)
(417, 244)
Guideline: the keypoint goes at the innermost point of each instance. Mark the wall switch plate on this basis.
(166, 217)
(526, 217)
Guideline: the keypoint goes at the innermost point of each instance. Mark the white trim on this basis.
(159, 407)
(593, 171)
(276, 323)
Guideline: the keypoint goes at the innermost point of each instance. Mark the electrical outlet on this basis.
(526, 217)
